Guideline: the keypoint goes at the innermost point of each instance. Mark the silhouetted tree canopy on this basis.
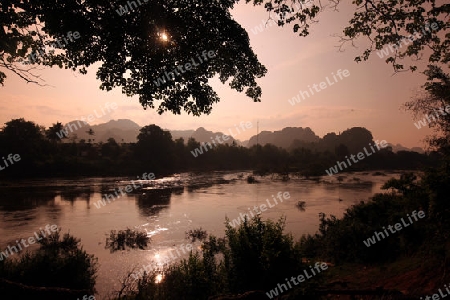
(42, 154)
(432, 106)
(137, 47)
(51, 132)
(383, 23)
(155, 147)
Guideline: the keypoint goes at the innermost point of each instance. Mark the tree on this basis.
(17, 38)
(432, 106)
(146, 52)
(154, 148)
(181, 153)
(90, 132)
(341, 150)
(53, 133)
(404, 28)
(59, 262)
(415, 24)
(25, 138)
(111, 148)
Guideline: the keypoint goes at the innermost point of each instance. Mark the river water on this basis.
(166, 208)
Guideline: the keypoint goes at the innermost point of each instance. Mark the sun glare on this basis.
(158, 278)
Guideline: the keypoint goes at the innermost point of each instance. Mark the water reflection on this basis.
(166, 208)
(152, 202)
(73, 194)
(12, 199)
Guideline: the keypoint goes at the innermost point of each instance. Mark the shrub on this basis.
(341, 240)
(126, 238)
(58, 263)
(254, 256)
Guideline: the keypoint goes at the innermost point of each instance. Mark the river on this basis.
(166, 208)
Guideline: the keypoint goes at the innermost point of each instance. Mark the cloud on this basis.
(46, 110)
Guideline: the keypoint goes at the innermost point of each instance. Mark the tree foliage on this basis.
(60, 262)
(383, 23)
(138, 47)
(156, 151)
(52, 132)
(433, 104)
(255, 256)
(155, 38)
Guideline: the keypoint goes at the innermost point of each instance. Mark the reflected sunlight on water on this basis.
(166, 208)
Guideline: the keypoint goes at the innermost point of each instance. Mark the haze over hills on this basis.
(126, 131)
(122, 130)
(295, 137)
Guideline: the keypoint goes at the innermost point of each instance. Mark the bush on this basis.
(58, 263)
(342, 240)
(126, 238)
(254, 256)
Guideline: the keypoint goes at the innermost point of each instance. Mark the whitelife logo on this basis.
(85, 297)
(128, 189)
(423, 123)
(73, 127)
(261, 207)
(323, 85)
(199, 150)
(274, 292)
(407, 40)
(436, 296)
(124, 9)
(398, 227)
(187, 67)
(31, 240)
(334, 170)
(75, 35)
(10, 158)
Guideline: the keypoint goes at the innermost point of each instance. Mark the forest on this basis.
(44, 153)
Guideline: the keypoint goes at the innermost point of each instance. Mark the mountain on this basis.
(122, 130)
(201, 135)
(126, 131)
(185, 134)
(284, 138)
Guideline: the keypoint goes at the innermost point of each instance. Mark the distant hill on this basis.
(126, 131)
(201, 135)
(122, 130)
(297, 137)
(284, 138)
(185, 134)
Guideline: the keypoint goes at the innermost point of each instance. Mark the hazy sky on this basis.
(369, 97)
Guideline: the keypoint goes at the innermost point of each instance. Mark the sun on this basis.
(164, 37)
(158, 278)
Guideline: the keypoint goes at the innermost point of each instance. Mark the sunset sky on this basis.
(371, 96)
